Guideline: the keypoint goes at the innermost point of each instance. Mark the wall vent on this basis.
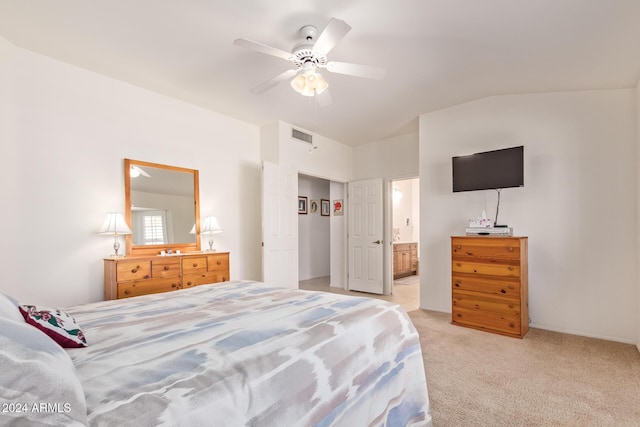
(302, 136)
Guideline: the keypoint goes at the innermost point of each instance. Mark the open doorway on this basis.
(406, 237)
(321, 234)
(314, 231)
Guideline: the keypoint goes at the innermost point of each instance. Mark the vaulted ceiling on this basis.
(437, 53)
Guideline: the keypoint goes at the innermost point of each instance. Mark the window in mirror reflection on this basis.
(150, 227)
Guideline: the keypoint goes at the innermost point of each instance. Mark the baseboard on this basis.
(584, 334)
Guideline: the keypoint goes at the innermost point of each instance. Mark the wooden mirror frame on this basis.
(146, 250)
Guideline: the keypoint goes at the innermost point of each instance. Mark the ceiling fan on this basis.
(309, 56)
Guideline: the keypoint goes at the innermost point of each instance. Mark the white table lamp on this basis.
(114, 225)
(211, 227)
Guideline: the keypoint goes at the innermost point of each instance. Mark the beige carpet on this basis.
(477, 378)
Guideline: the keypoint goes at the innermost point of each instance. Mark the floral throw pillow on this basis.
(58, 325)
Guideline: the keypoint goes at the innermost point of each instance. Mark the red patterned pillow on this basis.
(58, 325)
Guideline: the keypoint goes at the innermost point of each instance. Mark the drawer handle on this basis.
(135, 270)
(510, 248)
(219, 263)
(146, 276)
(189, 283)
(470, 253)
(166, 268)
(511, 325)
(195, 265)
(173, 285)
(510, 268)
(458, 247)
(503, 291)
(127, 292)
(458, 264)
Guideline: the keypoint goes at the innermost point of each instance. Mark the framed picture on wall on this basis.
(337, 207)
(313, 207)
(302, 205)
(324, 209)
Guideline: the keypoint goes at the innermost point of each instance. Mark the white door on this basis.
(365, 236)
(279, 225)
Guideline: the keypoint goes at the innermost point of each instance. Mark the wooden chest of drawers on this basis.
(133, 276)
(489, 284)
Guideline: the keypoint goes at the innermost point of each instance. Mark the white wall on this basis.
(395, 158)
(403, 210)
(330, 159)
(415, 211)
(578, 205)
(9, 177)
(313, 231)
(73, 130)
(338, 244)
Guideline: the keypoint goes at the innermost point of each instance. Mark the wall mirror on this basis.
(161, 208)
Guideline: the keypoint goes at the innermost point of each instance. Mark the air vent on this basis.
(308, 138)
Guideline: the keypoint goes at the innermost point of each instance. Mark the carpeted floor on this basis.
(477, 378)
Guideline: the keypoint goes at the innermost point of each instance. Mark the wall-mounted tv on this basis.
(489, 170)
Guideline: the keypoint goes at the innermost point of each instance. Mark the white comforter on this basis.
(243, 353)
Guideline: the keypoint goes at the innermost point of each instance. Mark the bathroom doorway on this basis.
(406, 237)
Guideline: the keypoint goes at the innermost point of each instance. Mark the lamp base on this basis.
(116, 247)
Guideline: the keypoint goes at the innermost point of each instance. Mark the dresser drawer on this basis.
(169, 267)
(487, 320)
(154, 286)
(489, 247)
(217, 262)
(484, 268)
(192, 265)
(133, 270)
(484, 302)
(191, 280)
(506, 287)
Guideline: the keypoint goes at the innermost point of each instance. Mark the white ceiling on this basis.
(437, 53)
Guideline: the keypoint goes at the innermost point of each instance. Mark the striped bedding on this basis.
(243, 353)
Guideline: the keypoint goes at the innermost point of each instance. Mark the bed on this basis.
(234, 354)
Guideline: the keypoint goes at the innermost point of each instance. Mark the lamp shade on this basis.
(114, 224)
(211, 226)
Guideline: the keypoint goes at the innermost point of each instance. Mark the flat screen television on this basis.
(490, 170)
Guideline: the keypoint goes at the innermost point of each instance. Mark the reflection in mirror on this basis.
(161, 207)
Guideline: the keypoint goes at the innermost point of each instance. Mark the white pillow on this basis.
(38, 381)
(9, 308)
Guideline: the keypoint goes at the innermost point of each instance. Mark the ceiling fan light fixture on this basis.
(134, 173)
(321, 84)
(309, 83)
(298, 83)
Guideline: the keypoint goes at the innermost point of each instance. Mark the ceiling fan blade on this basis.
(358, 70)
(274, 81)
(335, 30)
(263, 48)
(324, 99)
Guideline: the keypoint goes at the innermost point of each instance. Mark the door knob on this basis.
(377, 242)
